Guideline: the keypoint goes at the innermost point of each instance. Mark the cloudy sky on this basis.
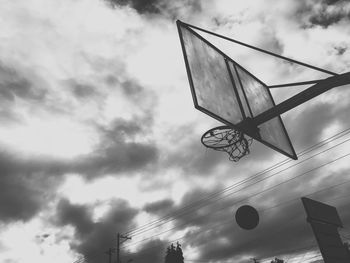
(99, 134)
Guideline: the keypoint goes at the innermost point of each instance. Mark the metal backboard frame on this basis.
(241, 102)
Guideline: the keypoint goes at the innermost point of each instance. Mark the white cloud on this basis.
(53, 137)
(27, 239)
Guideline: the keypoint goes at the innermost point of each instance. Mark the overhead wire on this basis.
(311, 148)
(265, 190)
(269, 169)
(244, 187)
(225, 222)
(147, 227)
(82, 260)
(247, 198)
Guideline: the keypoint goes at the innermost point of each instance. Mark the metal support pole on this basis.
(120, 239)
(300, 98)
(118, 248)
(294, 84)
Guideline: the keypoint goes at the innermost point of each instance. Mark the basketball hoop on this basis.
(227, 139)
(229, 93)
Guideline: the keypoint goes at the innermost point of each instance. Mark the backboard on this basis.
(226, 91)
(325, 221)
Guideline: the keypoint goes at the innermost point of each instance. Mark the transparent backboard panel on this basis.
(212, 88)
(259, 100)
(215, 81)
(242, 95)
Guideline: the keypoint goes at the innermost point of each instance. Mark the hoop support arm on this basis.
(295, 84)
(300, 98)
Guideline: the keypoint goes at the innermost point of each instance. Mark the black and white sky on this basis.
(99, 134)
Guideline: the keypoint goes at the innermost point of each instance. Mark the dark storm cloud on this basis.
(25, 186)
(116, 153)
(141, 6)
(204, 212)
(168, 9)
(322, 13)
(92, 239)
(77, 215)
(116, 158)
(153, 251)
(19, 199)
(333, 2)
(323, 19)
(161, 207)
(192, 211)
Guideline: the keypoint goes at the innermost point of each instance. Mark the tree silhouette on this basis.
(277, 260)
(255, 260)
(174, 254)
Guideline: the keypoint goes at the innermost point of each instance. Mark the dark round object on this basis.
(247, 217)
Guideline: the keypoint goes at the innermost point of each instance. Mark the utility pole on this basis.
(120, 240)
(109, 252)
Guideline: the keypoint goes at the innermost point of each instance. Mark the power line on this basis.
(265, 190)
(148, 227)
(307, 150)
(313, 193)
(83, 260)
(258, 193)
(260, 180)
(320, 144)
(230, 220)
